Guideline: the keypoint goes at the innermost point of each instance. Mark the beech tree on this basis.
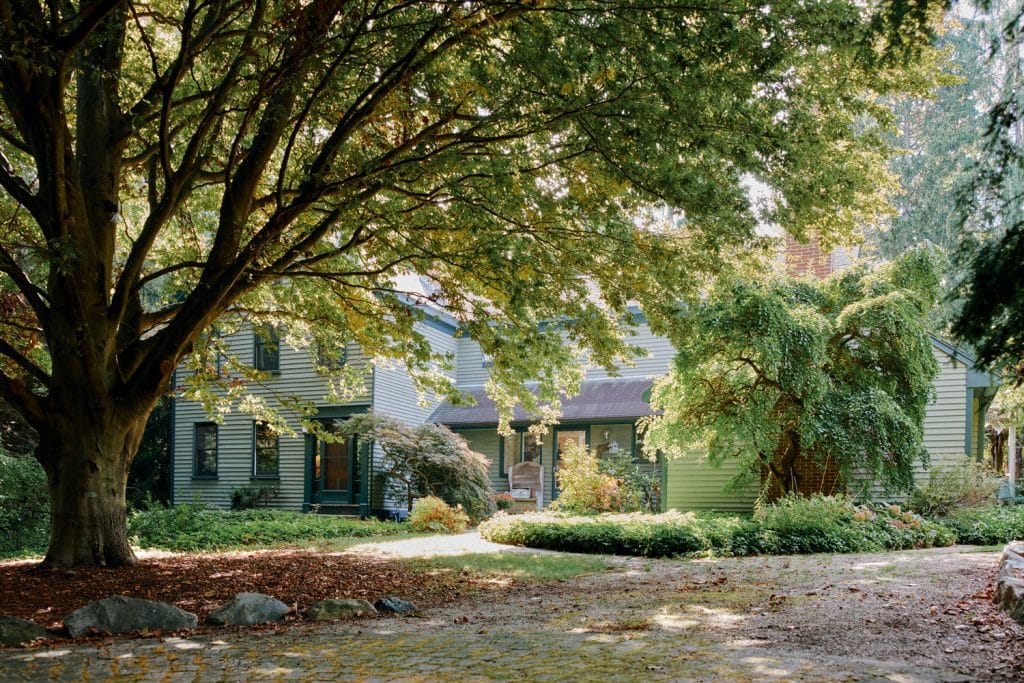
(838, 372)
(165, 163)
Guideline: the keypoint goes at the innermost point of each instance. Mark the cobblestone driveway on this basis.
(843, 618)
(443, 655)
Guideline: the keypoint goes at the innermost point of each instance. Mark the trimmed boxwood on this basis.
(792, 526)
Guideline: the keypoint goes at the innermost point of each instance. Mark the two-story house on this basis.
(212, 460)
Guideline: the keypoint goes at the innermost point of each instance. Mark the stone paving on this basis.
(820, 618)
(445, 655)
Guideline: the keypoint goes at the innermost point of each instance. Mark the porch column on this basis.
(1011, 445)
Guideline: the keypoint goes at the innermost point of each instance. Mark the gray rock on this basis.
(1007, 591)
(14, 631)
(248, 608)
(120, 614)
(394, 605)
(1012, 565)
(335, 608)
(1016, 547)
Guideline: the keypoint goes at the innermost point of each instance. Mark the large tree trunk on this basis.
(87, 488)
(782, 466)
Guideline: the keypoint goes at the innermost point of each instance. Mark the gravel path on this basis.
(917, 616)
(433, 546)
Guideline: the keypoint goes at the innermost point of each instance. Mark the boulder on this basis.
(120, 614)
(14, 631)
(1015, 547)
(335, 608)
(248, 608)
(394, 605)
(1010, 582)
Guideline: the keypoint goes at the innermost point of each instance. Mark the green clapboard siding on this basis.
(692, 484)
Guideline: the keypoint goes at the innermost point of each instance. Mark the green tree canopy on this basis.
(838, 371)
(166, 163)
(991, 285)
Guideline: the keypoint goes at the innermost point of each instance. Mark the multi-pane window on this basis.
(265, 452)
(205, 449)
(330, 358)
(268, 349)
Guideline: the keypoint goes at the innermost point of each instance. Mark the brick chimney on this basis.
(806, 259)
(801, 260)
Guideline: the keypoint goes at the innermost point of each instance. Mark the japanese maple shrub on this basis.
(428, 460)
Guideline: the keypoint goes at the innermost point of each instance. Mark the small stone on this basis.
(248, 608)
(394, 605)
(121, 614)
(14, 631)
(336, 608)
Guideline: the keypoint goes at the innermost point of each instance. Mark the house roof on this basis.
(598, 400)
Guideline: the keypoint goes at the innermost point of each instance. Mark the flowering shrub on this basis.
(583, 487)
(503, 501)
(433, 515)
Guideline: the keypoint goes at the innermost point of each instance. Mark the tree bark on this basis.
(87, 467)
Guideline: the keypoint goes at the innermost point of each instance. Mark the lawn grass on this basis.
(515, 565)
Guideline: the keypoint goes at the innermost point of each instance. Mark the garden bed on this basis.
(793, 526)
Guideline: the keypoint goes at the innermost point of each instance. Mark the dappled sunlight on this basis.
(674, 622)
(765, 668)
(717, 617)
(274, 671)
(44, 654)
(184, 644)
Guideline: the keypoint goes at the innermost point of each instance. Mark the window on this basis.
(329, 358)
(265, 453)
(268, 349)
(207, 348)
(522, 447)
(204, 453)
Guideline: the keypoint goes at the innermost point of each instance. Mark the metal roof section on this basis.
(603, 399)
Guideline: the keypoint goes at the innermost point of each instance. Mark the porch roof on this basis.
(603, 399)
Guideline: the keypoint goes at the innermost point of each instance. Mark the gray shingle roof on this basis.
(597, 400)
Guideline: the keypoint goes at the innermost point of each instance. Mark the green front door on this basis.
(336, 472)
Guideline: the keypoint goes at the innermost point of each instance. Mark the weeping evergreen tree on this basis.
(775, 370)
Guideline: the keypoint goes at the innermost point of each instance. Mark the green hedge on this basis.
(24, 505)
(793, 526)
(195, 528)
(987, 525)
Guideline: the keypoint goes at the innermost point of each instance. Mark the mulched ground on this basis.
(202, 583)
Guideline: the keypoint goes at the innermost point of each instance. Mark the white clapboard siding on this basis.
(297, 377)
